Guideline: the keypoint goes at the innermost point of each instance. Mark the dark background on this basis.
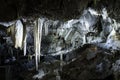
(56, 9)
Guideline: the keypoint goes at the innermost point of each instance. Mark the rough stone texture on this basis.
(112, 7)
(97, 68)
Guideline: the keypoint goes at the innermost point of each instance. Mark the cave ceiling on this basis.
(55, 9)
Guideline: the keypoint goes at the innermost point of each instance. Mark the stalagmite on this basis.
(18, 34)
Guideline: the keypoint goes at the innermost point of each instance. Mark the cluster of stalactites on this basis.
(18, 32)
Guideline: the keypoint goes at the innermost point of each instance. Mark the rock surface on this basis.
(98, 67)
(67, 48)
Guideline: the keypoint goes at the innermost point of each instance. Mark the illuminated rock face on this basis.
(58, 37)
(48, 37)
(74, 33)
(18, 34)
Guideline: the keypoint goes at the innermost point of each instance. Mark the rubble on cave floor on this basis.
(89, 63)
(92, 64)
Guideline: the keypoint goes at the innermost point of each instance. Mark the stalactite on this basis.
(40, 25)
(16, 31)
(24, 40)
(18, 34)
(11, 32)
(37, 39)
(35, 43)
(46, 28)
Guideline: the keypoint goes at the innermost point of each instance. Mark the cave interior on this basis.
(59, 40)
